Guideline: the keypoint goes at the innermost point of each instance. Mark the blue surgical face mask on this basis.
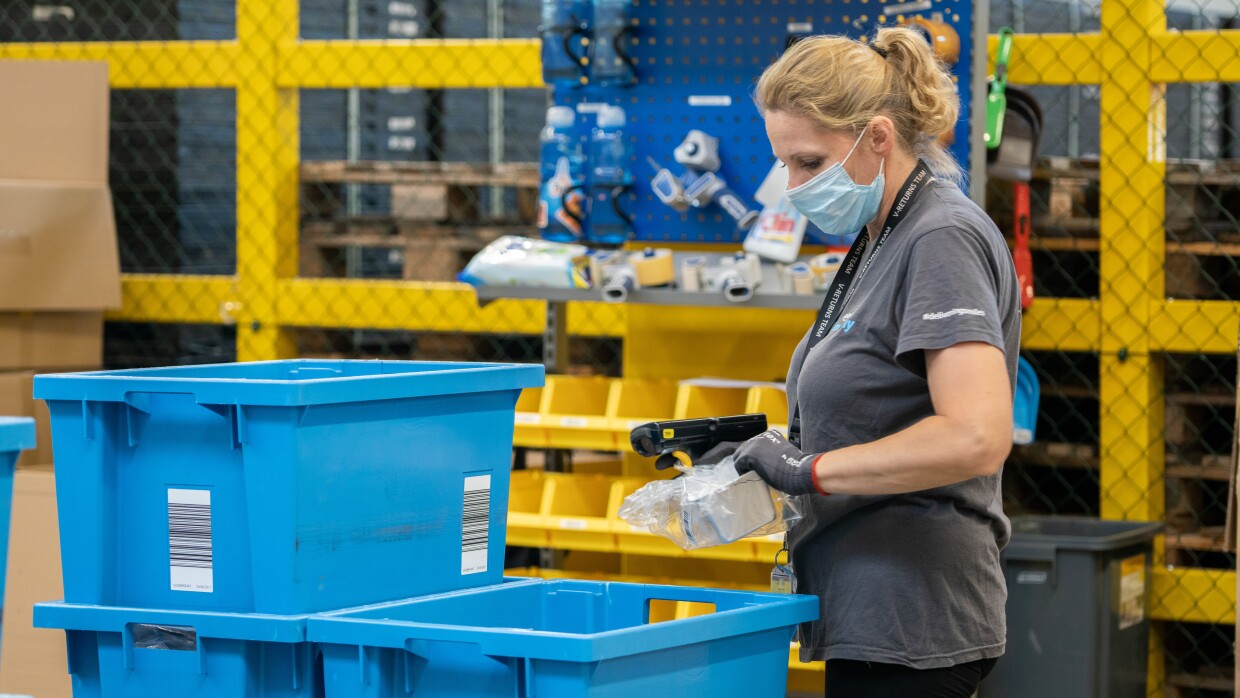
(834, 202)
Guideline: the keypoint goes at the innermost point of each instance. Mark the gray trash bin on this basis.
(1076, 609)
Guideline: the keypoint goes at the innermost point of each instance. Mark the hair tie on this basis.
(882, 52)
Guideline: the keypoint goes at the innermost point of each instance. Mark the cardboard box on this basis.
(58, 251)
(33, 661)
(15, 401)
(51, 341)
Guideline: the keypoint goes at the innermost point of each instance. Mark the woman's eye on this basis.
(811, 164)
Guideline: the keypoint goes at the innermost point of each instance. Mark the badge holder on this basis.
(783, 580)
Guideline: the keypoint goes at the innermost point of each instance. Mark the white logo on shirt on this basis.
(953, 312)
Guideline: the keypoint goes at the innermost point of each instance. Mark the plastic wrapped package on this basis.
(709, 505)
(519, 261)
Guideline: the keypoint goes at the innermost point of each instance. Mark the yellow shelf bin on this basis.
(694, 401)
(526, 493)
(527, 419)
(575, 512)
(771, 401)
(637, 401)
(572, 414)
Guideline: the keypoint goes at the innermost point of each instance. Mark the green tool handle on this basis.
(1001, 59)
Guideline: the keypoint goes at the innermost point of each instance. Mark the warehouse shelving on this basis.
(590, 412)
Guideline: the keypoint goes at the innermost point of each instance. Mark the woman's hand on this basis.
(782, 465)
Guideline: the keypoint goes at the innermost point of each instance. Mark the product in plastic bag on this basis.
(519, 261)
(709, 505)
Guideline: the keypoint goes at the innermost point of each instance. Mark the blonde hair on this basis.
(842, 84)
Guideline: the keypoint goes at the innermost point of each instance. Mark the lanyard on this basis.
(848, 274)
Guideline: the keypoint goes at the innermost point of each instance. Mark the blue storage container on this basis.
(282, 487)
(16, 435)
(143, 653)
(556, 639)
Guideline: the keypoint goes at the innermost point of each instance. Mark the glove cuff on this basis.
(813, 475)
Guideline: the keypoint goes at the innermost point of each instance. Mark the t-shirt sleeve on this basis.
(949, 297)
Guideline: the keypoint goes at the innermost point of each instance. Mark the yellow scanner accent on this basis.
(669, 433)
(684, 458)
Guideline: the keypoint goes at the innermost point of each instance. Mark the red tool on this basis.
(1020, 253)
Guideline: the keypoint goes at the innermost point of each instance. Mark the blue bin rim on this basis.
(16, 434)
(758, 612)
(1117, 534)
(387, 381)
(225, 626)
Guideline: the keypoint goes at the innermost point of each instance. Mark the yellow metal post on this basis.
(267, 154)
(1132, 284)
(1132, 254)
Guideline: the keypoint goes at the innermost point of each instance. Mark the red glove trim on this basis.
(813, 476)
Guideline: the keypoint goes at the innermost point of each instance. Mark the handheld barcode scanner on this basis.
(682, 440)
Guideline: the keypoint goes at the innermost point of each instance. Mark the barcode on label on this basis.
(190, 557)
(475, 524)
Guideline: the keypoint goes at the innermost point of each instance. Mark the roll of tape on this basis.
(823, 267)
(600, 261)
(800, 278)
(691, 273)
(654, 267)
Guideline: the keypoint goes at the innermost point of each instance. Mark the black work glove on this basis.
(782, 465)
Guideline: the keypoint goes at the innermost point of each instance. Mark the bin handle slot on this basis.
(149, 636)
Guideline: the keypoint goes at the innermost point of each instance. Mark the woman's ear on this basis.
(882, 136)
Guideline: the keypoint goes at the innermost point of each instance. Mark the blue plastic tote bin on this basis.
(16, 435)
(282, 487)
(143, 653)
(555, 639)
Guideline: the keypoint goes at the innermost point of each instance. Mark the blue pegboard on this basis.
(697, 63)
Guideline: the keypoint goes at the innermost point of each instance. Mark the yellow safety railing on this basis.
(1129, 325)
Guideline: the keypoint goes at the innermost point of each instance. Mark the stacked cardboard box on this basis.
(59, 268)
(33, 661)
(59, 271)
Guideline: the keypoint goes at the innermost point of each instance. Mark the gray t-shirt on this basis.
(911, 579)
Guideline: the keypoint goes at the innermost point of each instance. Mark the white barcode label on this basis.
(190, 557)
(573, 524)
(526, 418)
(573, 421)
(475, 524)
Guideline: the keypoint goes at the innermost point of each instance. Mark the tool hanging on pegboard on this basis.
(1013, 129)
(690, 65)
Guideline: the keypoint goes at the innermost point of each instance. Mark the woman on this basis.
(902, 389)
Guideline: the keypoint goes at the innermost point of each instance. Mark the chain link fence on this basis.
(1133, 211)
(396, 182)
(399, 169)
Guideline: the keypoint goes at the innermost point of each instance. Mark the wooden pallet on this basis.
(429, 252)
(1202, 197)
(1217, 679)
(446, 192)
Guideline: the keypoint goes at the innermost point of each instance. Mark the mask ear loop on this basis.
(881, 163)
(855, 144)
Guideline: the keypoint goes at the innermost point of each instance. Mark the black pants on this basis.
(849, 679)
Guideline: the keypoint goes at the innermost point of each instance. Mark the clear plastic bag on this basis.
(710, 505)
(518, 261)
